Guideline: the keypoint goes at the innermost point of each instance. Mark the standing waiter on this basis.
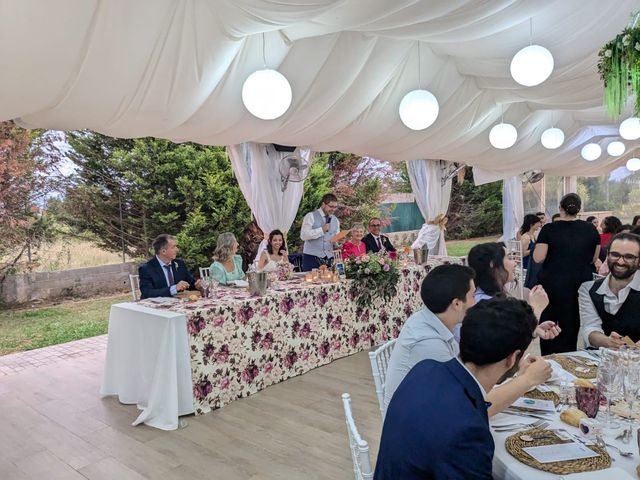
(318, 227)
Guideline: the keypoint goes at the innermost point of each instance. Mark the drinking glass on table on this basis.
(630, 359)
(213, 285)
(610, 382)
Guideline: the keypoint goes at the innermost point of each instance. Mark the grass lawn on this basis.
(39, 327)
(459, 248)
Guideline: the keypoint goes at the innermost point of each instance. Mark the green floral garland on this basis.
(619, 68)
(374, 276)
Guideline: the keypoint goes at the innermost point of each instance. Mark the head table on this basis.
(173, 357)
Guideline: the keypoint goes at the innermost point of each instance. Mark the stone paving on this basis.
(17, 362)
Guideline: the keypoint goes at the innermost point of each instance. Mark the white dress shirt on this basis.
(590, 321)
(307, 232)
(482, 390)
(172, 288)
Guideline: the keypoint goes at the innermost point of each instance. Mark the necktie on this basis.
(327, 219)
(379, 243)
(170, 275)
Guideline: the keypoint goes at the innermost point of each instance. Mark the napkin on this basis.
(505, 419)
(607, 474)
(239, 283)
(559, 373)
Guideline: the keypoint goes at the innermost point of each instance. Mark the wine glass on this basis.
(610, 382)
(630, 380)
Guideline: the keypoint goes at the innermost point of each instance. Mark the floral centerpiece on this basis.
(619, 68)
(374, 276)
(284, 271)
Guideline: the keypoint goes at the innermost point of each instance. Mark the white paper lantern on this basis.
(503, 135)
(615, 149)
(266, 94)
(532, 65)
(419, 109)
(630, 128)
(552, 138)
(591, 152)
(633, 164)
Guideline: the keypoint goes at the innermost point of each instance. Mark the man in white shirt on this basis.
(610, 307)
(318, 227)
(448, 292)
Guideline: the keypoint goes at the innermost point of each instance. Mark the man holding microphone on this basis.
(318, 228)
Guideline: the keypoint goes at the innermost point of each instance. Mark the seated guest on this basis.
(165, 275)
(374, 240)
(436, 425)
(354, 247)
(636, 221)
(275, 253)
(494, 270)
(609, 307)
(555, 217)
(610, 226)
(530, 226)
(227, 266)
(594, 220)
(447, 292)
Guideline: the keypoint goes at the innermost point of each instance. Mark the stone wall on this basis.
(77, 283)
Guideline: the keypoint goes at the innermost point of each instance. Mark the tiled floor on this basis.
(17, 362)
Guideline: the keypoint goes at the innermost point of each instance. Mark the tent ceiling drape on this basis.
(175, 69)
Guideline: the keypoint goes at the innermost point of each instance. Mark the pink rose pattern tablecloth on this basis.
(241, 344)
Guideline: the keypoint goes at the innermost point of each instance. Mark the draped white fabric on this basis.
(512, 207)
(257, 169)
(175, 69)
(432, 198)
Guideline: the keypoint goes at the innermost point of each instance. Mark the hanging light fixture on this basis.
(633, 164)
(419, 108)
(615, 149)
(532, 65)
(591, 152)
(266, 93)
(503, 135)
(552, 138)
(630, 128)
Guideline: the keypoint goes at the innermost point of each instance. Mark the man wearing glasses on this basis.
(318, 228)
(610, 307)
(374, 240)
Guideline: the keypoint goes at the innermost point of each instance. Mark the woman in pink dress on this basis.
(354, 247)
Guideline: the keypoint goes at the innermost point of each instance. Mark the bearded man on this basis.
(610, 307)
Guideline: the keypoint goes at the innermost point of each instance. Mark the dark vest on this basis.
(626, 321)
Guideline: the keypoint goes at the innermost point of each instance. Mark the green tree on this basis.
(126, 192)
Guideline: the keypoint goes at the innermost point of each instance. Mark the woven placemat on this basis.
(514, 445)
(538, 395)
(577, 366)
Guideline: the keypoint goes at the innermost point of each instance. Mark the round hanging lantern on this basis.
(266, 94)
(532, 65)
(419, 109)
(615, 149)
(591, 152)
(633, 164)
(630, 128)
(552, 138)
(503, 135)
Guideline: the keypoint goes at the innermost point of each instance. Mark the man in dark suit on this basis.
(374, 240)
(165, 275)
(436, 426)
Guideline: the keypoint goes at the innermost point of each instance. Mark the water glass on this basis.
(610, 382)
(213, 285)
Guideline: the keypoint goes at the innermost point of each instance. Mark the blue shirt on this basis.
(172, 288)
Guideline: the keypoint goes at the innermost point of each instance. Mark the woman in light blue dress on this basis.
(227, 266)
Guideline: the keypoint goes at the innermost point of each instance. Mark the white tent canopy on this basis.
(175, 69)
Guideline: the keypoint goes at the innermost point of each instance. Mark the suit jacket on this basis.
(372, 246)
(436, 427)
(153, 283)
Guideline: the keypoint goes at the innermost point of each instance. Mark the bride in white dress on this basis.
(275, 253)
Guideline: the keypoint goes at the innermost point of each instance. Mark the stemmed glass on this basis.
(610, 382)
(630, 380)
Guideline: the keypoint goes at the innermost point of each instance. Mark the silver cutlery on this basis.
(539, 424)
(603, 444)
(540, 416)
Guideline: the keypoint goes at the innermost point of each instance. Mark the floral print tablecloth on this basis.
(241, 344)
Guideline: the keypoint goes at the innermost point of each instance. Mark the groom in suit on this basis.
(436, 425)
(165, 275)
(374, 240)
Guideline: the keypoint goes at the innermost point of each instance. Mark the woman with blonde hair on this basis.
(354, 247)
(227, 266)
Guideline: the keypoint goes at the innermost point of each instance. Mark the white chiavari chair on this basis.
(204, 273)
(359, 448)
(134, 281)
(379, 359)
(514, 250)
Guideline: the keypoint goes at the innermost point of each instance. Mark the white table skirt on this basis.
(148, 364)
(506, 467)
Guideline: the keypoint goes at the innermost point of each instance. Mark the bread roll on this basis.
(572, 416)
(583, 382)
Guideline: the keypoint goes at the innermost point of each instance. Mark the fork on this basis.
(603, 444)
(517, 426)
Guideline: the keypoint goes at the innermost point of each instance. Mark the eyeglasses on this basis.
(627, 257)
(332, 205)
(375, 225)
